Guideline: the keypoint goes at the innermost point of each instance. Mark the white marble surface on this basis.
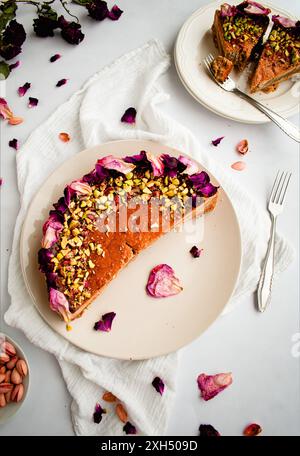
(255, 347)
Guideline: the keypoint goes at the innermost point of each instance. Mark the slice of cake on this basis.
(280, 58)
(106, 218)
(237, 30)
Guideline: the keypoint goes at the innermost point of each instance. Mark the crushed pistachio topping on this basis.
(241, 29)
(284, 45)
(75, 256)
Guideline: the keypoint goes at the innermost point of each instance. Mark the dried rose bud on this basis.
(252, 430)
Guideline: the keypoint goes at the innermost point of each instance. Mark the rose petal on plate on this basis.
(23, 89)
(242, 147)
(252, 430)
(51, 229)
(199, 180)
(33, 102)
(216, 142)
(105, 323)
(156, 164)
(228, 10)
(5, 111)
(159, 385)
(44, 259)
(129, 116)
(12, 66)
(115, 13)
(51, 278)
(284, 21)
(162, 282)
(211, 385)
(80, 188)
(140, 161)
(54, 57)
(191, 166)
(118, 164)
(61, 82)
(238, 166)
(59, 303)
(15, 120)
(207, 430)
(97, 415)
(208, 190)
(129, 428)
(14, 143)
(195, 252)
(256, 8)
(64, 137)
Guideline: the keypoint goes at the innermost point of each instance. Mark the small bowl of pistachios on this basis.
(14, 377)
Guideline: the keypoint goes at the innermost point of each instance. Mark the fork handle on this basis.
(266, 278)
(287, 127)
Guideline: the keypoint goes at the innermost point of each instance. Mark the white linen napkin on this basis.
(92, 116)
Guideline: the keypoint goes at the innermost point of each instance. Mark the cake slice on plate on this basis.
(94, 230)
(280, 58)
(238, 30)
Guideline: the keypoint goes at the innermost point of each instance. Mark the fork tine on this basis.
(285, 188)
(210, 58)
(276, 190)
(280, 187)
(275, 186)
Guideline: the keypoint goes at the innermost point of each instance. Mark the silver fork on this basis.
(275, 207)
(230, 86)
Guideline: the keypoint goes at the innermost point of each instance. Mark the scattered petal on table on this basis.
(23, 89)
(217, 141)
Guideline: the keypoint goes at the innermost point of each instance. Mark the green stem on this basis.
(64, 5)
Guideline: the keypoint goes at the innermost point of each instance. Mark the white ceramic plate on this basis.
(12, 408)
(195, 42)
(144, 327)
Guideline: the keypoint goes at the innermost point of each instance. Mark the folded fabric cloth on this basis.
(92, 116)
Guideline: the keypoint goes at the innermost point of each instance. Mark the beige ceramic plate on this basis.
(12, 408)
(144, 327)
(194, 42)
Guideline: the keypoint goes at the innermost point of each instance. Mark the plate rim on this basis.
(31, 294)
(185, 83)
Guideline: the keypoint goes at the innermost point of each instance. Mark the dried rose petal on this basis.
(80, 188)
(5, 111)
(228, 10)
(256, 8)
(195, 252)
(105, 323)
(156, 164)
(61, 82)
(14, 143)
(207, 430)
(99, 411)
(59, 303)
(129, 116)
(15, 120)
(1, 181)
(54, 57)
(191, 166)
(238, 166)
(64, 137)
(97, 9)
(242, 147)
(44, 259)
(284, 21)
(172, 165)
(111, 162)
(23, 89)
(32, 102)
(12, 66)
(211, 385)
(51, 230)
(109, 397)
(217, 141)
(129, 428)
(162, 282)
(252, 430)
(115, 13)
(159, 385)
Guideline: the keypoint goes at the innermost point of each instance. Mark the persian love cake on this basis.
(99, 224)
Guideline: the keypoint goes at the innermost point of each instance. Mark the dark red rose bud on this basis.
(10, 51)
(70, 31)
(44, 26)
(14, 34)
(97, 10)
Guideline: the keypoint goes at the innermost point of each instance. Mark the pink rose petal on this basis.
(23, 89)
(159, 385)
(191, 166)
(238, 166)
(111, 162)
(216, 142)
(129, 116)
(162, 282)
(256, 8)
(5, 111)
(156, 163)
(242, 147)
(80, 188)
(211, 385)
(59, 303)
(115, 13)
(51, 230)
(33, 102)
(105, 323)
(1, 181)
